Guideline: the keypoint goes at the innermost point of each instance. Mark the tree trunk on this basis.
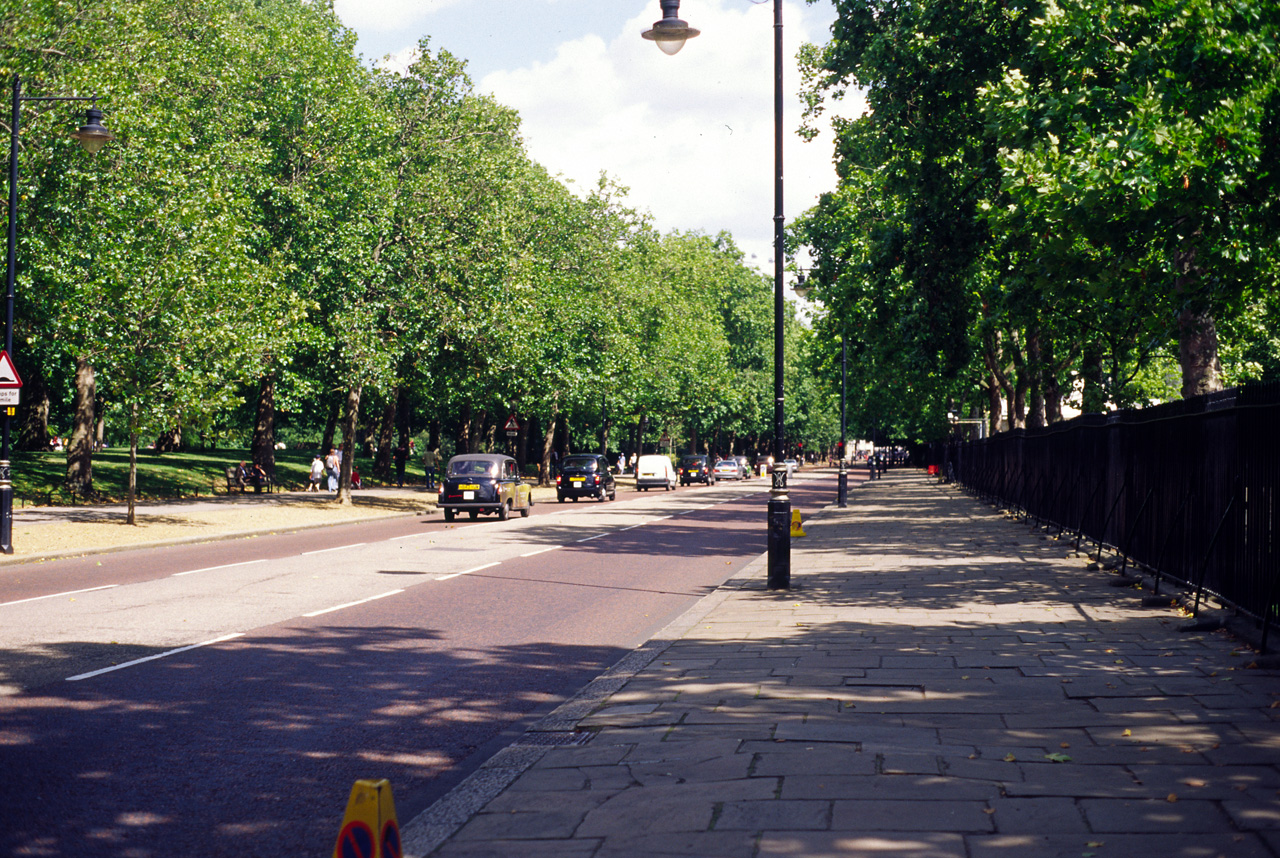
(1094, 395)
(1035, 377)
(263, 447)
(349, 421)
(80, 448)
(993, 405)
(132, 492)
(330, 428)
(548, 443)
(1197, 330)
(33, 432)
(464, 430)
(1052, 398)
(1198, 353)
(386, 437)
(477, 431)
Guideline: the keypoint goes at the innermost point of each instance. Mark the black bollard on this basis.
(842, 493)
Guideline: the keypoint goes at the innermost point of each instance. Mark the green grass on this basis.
(39, 478)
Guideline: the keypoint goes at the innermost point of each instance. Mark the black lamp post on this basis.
(670, 33)
(92, 136)
(842, 491)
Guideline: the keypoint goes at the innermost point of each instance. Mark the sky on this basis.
(690, 136)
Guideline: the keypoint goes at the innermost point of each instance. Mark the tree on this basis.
(1143, 130)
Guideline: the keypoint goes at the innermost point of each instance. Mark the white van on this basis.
(653, 472)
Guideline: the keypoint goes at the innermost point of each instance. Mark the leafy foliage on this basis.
(1046, 203)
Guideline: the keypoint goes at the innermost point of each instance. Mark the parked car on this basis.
(728, 469)
(585, 475)
(792, 466)
(484, 483)
(654, 472)
(745, 465)
(696, 469)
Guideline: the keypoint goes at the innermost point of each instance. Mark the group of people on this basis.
(251, 475)
(330, 466)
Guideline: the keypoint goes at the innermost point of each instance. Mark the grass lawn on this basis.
(38, 478)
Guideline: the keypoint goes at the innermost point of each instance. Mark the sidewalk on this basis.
(939, 683)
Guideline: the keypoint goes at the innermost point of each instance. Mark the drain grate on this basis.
(556, 738)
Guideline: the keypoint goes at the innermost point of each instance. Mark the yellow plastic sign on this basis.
(369, 827)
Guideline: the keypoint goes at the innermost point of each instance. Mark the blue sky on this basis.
(691, 136)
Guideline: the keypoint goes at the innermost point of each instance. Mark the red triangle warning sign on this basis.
(9, 379)
(513, 425)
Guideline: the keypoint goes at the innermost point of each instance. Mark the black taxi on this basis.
(696, 469)
(585, 475)
(484, 483)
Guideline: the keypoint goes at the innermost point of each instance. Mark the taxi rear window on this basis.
(471, 468)
(587, 463)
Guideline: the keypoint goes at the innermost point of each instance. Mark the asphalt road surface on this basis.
(221, 699)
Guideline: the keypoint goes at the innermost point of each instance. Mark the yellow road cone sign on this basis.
(369, 827)
(796, 529)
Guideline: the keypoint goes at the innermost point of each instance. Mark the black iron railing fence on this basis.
(1189, 490)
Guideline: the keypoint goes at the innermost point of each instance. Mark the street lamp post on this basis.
(842, 491)
(92, 136)
(670, 33)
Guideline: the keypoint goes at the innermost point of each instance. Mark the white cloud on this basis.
(690, 135)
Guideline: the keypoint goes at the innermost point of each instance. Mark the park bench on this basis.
(234, 482)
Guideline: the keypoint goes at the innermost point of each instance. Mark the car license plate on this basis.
(467, 487)
(577, 479)
(468, 495)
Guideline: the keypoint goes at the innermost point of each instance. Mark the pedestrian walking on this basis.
(317, 473)
(331, 464)
(429, 460)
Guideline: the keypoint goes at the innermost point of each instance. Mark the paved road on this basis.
(223, 697)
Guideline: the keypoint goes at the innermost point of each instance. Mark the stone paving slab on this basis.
(940, 682)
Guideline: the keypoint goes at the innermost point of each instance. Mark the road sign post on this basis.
(10, 392)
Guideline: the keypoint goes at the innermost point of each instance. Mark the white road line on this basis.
(136, 661)
(212, 568)
(409, 536)
(589, 538)
(542, 551)
(56, 595)
(353, 604)
(467, 571)
(338, 548)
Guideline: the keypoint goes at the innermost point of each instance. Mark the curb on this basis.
(12, 560)
(431, 828)
(427, 831)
